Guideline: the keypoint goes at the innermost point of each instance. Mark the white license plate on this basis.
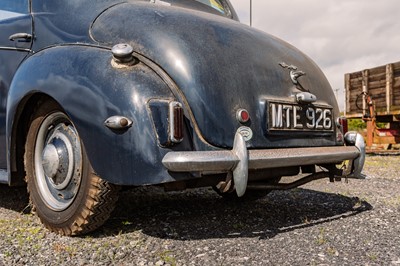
(287, 116)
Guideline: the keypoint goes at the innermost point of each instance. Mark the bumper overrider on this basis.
(239, 160)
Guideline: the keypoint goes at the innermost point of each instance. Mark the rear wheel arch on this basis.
(89, 98)
(19, 131)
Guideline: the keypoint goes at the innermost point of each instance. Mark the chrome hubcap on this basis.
(50, 160)
(58, 161)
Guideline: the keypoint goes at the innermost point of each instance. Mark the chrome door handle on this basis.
(21, 35)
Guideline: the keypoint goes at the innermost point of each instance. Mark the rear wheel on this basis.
(64, 191)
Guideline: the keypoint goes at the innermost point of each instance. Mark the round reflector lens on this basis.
(242, 116)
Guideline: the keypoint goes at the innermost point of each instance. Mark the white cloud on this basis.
(341, 36)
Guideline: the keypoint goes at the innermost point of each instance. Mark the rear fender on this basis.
(90, 90)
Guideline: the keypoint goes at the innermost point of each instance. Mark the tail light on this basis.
(342, 124)
(175, 122)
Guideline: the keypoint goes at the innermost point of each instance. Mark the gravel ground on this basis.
(321, 223)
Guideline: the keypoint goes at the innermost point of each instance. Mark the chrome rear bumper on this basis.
(239, 160)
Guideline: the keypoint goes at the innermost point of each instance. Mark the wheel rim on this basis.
(58, 161)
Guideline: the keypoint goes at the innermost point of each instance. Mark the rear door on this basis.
(15, 44)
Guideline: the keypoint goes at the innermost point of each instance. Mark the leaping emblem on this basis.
(294, 73)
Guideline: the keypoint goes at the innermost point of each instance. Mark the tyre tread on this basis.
(100, 199)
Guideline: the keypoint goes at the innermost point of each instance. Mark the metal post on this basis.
(251, 13)
(337, 94)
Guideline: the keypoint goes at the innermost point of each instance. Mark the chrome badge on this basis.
(246, 132)
(294, 73)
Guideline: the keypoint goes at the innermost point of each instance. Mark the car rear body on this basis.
(190, 58)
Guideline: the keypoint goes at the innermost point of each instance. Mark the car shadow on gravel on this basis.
(201, 214)
(14, 198)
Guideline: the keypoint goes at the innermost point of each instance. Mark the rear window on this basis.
(216, 4)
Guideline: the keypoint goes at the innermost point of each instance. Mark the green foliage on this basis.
(381, 124)
(168, 257)
(356, 124)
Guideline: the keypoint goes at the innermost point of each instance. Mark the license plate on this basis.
(288, 116)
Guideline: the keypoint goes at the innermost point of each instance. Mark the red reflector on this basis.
(245, 116)
(242, 116)
(175, 122)
(343, 124)
(178, 123)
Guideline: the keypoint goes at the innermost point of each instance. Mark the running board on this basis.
(3, 176)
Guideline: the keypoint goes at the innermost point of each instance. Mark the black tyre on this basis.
(64, 191)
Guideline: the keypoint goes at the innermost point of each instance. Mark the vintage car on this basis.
(98, 95)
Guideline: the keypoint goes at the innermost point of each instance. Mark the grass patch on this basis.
(168, 257)
(372, 257)
(321, 239)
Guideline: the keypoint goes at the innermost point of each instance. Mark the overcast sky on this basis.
(341, 36)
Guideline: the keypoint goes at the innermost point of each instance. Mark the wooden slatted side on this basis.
(353, 87)
(382, 83)
(396, 86)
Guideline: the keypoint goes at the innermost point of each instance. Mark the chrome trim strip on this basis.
(15, 49)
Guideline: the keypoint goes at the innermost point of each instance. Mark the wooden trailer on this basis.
(374, 96)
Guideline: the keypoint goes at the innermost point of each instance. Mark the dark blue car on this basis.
(95, 95)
